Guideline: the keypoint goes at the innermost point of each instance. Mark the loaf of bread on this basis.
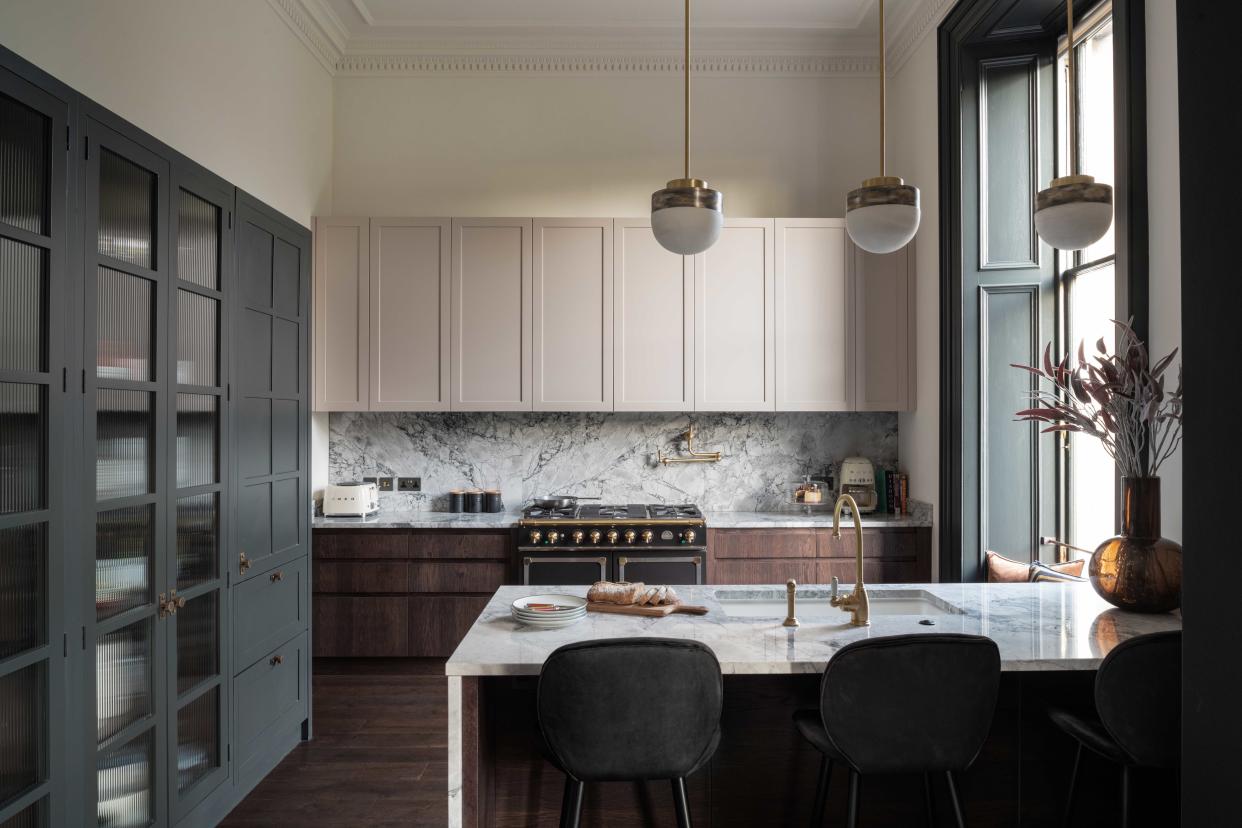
(611, 592)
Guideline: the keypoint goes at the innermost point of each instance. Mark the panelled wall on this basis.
(592, 314)
(144, 302)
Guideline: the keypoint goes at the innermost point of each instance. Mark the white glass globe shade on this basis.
(686, 230)
(1073, 225)
(883, 228)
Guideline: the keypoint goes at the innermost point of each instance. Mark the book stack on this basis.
(893, 490)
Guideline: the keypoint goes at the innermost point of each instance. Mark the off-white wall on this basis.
(914, 155)
(1165, 233)
(225, 82)
(597, 145)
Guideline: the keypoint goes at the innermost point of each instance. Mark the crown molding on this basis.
(479, 65)
(922, 17)
(314, 30)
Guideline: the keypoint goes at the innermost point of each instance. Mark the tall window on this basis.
(1087, 285)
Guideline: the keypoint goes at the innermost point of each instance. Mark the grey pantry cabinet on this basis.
(154, 465)
(591, 314)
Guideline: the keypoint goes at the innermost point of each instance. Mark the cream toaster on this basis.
(350, 500)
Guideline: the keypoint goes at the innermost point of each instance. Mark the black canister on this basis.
(457, 500)
(474, 501)
(492, 501)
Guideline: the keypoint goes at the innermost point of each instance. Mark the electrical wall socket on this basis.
(370, 480)
(385, 484)
(409, 484)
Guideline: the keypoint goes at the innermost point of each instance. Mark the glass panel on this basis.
(198, 655)
(126, 210)
(197, 420)
(197, 339)
(23, 447)
(198, 241)
(198, 742)
(196, 540)
(33, 815)
(124, 433)
(23, 589)
(123, 678)
(23, 291)
(25, 166)
(123, 320)
(124, 555)
(23, 727)
(125, 783)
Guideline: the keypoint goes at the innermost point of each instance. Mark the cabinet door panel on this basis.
(653, 308)
(438, 623)
(493, 545)
(457, 576)
(367, 577)
(342, 312)
(762, 543)
(374, 543)
(761, 571)
(573, 314)
(814, 317)
(490, 348)
(875, 570)
(273, 696)
(270, 609)
(367, 626)
(734, 341)
(883, 286)
(410, 307)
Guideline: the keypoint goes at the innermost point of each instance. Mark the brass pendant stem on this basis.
(1071, 89)
(686, 69)
(883, 94)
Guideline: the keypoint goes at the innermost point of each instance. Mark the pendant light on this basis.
(1074, 211)
(686, 216)
(883, 214)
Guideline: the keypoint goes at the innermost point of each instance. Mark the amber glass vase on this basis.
(1138, 570)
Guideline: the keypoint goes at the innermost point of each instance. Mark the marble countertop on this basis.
(920, 515)
(1047, 626)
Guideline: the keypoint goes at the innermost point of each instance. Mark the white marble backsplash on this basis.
(612, 455)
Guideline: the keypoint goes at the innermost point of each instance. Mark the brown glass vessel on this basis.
(1138, 570)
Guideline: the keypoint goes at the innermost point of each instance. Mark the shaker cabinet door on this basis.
(409, 309)
(490, 349)
(734, 340)
(342, 311)
(883, 288)
(573, 314)
(814, 317)
(653, 311)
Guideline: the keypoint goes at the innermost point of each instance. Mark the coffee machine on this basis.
(857, 479)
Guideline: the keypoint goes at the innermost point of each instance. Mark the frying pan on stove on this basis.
(558, 501)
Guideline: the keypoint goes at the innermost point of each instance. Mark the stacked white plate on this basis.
(549, 611)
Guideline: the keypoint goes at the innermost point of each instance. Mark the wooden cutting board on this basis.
(652, 612)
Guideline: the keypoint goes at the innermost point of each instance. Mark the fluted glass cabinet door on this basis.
(201, 218)
(33, 255)
(130, 435)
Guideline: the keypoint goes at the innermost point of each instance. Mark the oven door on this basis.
(680, 567)
(565, 570)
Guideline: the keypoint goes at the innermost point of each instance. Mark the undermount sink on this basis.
(814, 603)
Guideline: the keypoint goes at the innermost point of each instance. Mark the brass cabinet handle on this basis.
(277, 660)
(243, 563)
(277, 576)
(164, 605)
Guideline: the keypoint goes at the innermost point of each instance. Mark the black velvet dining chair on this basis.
(903, 704)
(1137, 718)
(628, 709)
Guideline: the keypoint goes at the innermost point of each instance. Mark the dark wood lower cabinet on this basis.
(361, 625)
(439, 622)
(814, 556)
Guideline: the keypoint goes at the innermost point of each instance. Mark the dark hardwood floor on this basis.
(379, 756)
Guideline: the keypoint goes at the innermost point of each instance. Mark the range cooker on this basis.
(582, 544)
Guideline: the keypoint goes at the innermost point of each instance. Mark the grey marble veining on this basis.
(396, 519)
(613, 454)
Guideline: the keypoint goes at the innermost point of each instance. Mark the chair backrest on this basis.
(911, 703)
(630, 708)
(1138, 694)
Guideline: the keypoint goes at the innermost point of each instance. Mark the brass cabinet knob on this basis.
(648, 535)
(595, 536)
(277, 660)
(276, 576)
(243, 563)
(578, 536)
(612, 536)
(630, 535)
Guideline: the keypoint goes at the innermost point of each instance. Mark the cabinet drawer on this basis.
(348, 626)
(442, 544)
(268, 610)
(875, 570)
(439, 622)
(366, 577)
(457, 576)
(877, 543)
(270, 697)
(373, 543)
(759, 571)
(761, 543)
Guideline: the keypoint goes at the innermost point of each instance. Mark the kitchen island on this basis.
(1051, 638)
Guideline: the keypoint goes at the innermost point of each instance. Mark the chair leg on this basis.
(679, 802)
(1073, 786)
(1125, 796)
(927, 801)
(821, 792)
(571, 803)
(851, 820)
(957, 805)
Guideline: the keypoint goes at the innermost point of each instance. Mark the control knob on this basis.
(612, 535)
(688, 536)
(535, 536)
(578, 537)
(595, 536)
(630, 535)
(648, 535)
(553, 537)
